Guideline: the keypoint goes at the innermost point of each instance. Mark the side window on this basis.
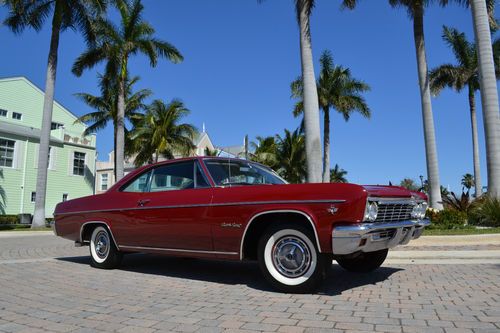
(140, 184)
(171, 177)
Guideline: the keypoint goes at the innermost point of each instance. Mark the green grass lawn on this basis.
(466, 231)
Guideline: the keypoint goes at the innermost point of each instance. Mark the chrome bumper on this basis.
(369, 237)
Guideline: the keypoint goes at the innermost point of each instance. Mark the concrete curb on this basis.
(486, 239)
(13, 234)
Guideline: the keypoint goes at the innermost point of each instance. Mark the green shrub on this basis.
(9, 219)
(486, 212)
(447, 219)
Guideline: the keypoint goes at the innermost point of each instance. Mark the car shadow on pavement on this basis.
(337, 281)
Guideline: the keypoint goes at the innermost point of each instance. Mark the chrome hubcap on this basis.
(291, 256)
(101, 244)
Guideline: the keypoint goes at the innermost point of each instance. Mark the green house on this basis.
(72, 156)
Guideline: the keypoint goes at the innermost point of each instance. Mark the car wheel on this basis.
(365, 262)
(103, 252)
(290, 260)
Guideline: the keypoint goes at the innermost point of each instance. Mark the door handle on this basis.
(143, 202)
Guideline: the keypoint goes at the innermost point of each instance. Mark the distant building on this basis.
(71, 166)
(105, 170)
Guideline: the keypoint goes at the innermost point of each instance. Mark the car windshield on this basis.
(235, 172)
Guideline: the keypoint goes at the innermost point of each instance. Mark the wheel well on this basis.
(259, 225)
(86, 232)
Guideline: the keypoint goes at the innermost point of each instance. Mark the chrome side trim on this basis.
(98, 222)
(175, 250)
(243, 203)
(280, 211)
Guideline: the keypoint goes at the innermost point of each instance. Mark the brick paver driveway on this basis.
(47, 285)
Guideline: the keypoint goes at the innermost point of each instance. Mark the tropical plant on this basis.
(483, 18)
(66, 14)
(209, 152)
(291, 156)
(106, 106)
(409, 184)
(462, 203)
(447, 219)
(115, 45)
(486, 212)
(444, 191)
(337, 89)
(160, 133)
(265, 151)
(338, 175)
(464, 74)
(468, 181)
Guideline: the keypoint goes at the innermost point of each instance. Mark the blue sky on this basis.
(240, 57)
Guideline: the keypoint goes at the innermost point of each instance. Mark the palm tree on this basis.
(3, 196)
(66, 14)
(415, 9)
(209, 152)
(337, 175)
(265, 151)
(481, 14)
(115, 44)
(409, 184)
(465, 74)
(106, 105)
(291, 155)
(159, 133)
(337, 89)
(468, 181)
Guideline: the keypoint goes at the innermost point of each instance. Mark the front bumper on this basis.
(369, 237)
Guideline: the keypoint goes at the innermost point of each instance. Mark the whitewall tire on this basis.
(103, 252)
(289, 259)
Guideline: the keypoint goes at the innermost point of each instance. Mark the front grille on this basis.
(390, 212)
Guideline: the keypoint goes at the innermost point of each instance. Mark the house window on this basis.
(3, 113)
(79, 164)
(104, 181)
(65, 197)
(54, 126)
(7, 153)
(17, 115)
(33, 196)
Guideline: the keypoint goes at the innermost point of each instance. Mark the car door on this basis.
(172, 202)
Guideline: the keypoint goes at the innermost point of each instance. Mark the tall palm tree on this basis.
(115, 44)
(3, 196)
(415, 9)
(66, 14)
(338, 175)
(481, 14)
(337, 89)
(106, 106)
(291, 155)
(464, 74)
(159, 133)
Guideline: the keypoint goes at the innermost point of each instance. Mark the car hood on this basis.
(388, 191)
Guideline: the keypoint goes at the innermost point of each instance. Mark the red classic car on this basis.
(233, 209)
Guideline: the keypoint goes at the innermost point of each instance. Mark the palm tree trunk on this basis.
(48, 104)
(311, 107)
(326, 145)
(115, 128)
(428, 121)
(489, 94)
(475, 143)
(120, 130)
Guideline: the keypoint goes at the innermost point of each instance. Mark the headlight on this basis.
(371, 211)
(419, 211)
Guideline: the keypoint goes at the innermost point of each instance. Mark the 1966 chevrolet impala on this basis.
(233, 209)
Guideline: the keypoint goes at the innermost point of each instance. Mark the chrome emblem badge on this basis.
(230, 225)
(332, 210)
